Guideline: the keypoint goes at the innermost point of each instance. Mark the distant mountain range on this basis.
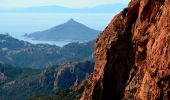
(24, 54)
(69, 31)
(109, 8)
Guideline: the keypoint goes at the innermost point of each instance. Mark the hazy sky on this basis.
(66, 3)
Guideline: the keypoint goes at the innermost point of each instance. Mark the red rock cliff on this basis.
(133, 55)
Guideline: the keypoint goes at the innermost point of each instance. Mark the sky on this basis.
(65, 3)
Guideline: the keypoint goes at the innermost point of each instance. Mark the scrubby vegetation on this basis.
(65, 94)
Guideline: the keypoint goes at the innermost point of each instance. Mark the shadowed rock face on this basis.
(65, 75)
(132, 55)
(69, 73)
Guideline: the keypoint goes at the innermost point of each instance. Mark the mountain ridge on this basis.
(24, 54)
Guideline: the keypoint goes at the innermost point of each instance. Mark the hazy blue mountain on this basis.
(108, 8)
(69, 31)
(24, 54)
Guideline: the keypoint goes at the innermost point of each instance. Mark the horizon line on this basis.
(62, 6)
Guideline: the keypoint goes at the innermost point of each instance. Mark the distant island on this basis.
(107, 8)
(69, 31)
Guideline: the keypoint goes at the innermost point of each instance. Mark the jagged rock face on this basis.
(69, 73)
(65, 75)
(133, 55)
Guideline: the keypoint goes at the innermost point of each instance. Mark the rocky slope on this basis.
(65, 75)
(67, 80)
(132, 55)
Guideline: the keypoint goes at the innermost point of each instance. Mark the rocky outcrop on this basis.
(69, 73)
(65, 75)
(132, 55)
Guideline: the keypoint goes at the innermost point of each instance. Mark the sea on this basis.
(18, 24)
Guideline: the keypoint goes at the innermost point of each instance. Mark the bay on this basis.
(17, 24)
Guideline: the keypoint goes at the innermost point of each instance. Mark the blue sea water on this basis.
(17, 24)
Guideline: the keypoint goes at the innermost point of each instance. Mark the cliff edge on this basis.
(133, 55)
